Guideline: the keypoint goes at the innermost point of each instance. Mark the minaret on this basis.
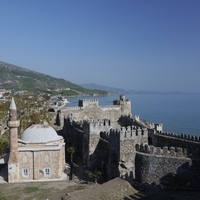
(13, 162)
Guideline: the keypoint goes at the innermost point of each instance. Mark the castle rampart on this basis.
(180, 136)
(157, 126)
(88, 109)
(191, 143)
(165, 151)
(133, 132)
(88, 102)
(108, 138)
(151, 168)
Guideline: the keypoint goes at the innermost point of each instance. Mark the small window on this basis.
(24, 172)
(47, 171)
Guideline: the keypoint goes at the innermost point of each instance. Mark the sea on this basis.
(179, 113)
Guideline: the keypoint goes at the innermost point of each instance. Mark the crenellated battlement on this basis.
(165, 151)
(94, 123)
(179, 136)
(132, 132)
(156, 126)
(104, 136)
(86, 102)
(99, 122)
(90, 109)
(89, 100)
(115, 132)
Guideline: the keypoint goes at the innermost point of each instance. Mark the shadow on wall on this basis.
(187, 177)
(100, 154)
(114, 163)
(98, 160)
(106, 155)
(168, 172)
(58, 119)
(186, 183)
(129, 177)
(4, 172)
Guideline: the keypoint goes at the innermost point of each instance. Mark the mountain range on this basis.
(105, 88)
(123, 91)
(16, 78)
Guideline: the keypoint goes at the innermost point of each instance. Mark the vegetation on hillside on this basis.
(16, 78)
(30, 109)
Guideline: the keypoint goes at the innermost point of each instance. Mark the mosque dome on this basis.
(39, 133)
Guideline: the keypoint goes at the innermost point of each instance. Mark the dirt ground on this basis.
(116, 189)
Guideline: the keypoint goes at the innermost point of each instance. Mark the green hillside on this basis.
(17, 78)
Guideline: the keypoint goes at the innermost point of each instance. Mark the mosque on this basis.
(38, 155)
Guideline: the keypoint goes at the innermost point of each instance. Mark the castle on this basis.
(107, 138)
(110, 139)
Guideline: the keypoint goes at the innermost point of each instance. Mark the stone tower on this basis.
(13, 161)
(125, 106)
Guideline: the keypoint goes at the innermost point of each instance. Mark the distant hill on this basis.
(16, 78)
(123, 91)
(106, 88)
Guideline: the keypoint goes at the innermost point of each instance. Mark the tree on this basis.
(71, 151)
(94, 174)
(3, 146)
(31, 109)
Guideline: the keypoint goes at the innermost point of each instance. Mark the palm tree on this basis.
(71, 151)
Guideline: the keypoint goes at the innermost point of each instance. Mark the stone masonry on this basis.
(110, 139)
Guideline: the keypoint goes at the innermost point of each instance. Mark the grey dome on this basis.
(38, 133)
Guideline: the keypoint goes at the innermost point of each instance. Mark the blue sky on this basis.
(130, 44)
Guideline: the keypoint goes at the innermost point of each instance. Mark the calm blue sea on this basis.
(179, 113)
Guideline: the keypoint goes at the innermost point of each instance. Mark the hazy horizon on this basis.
(141, 45)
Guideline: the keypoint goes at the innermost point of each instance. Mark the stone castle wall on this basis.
(151, 168)
(191, 143)
(89, 109)
(87, 102)
(93, 112)
(168, 166)
(165, 151)
(180, 136)
(120, 144)
(124, 150)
